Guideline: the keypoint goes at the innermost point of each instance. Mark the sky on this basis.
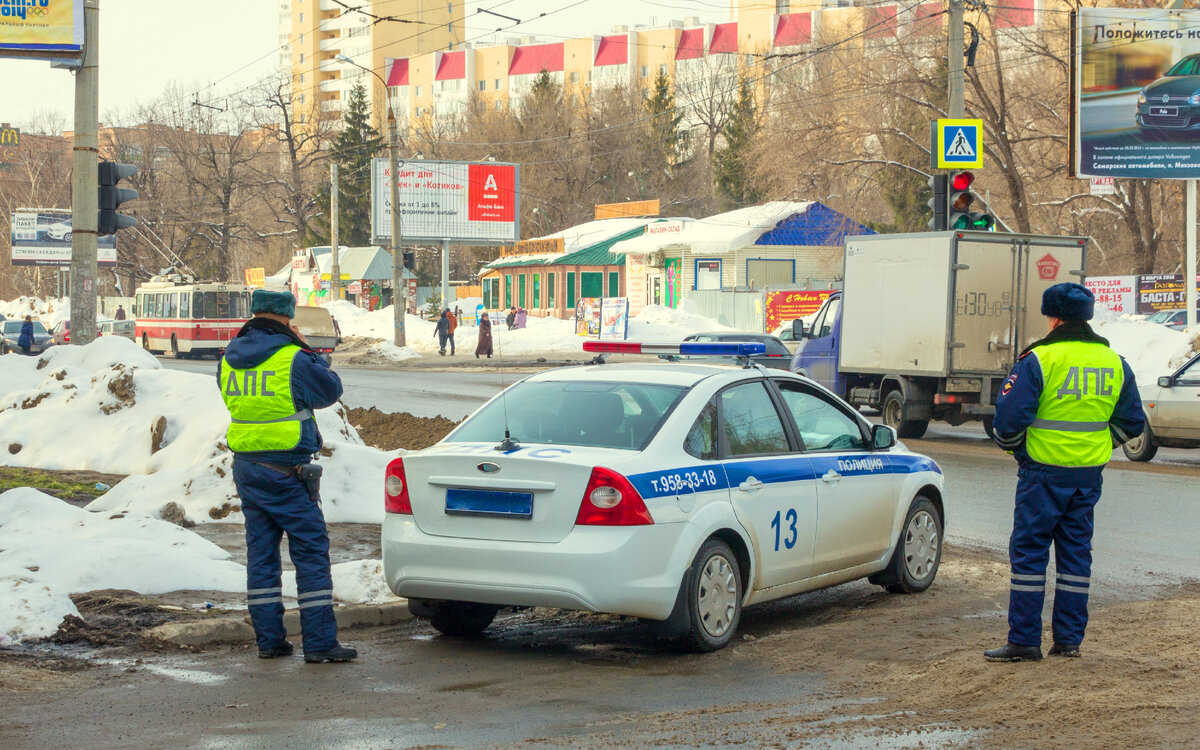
(218, 46)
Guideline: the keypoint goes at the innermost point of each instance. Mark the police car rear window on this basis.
(585, 414)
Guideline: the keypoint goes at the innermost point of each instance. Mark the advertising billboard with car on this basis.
(1136, 84)
(42, 237)
(465, 203)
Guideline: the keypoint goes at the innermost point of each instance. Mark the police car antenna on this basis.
(507, 444)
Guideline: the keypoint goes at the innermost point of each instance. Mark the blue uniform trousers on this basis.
(272, 504)
(1044, 514)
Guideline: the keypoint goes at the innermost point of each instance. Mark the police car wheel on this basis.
(713, 596)
(918, 552)
(462, 619)
(1142, 447)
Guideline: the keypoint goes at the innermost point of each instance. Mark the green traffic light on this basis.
(980, 221)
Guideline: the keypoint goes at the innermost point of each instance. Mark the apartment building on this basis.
(314, 33)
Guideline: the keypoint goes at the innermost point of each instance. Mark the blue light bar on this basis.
(689, 348)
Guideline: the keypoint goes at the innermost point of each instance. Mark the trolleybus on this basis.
(187, 318)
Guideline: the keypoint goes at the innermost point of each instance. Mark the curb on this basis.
(237, 630)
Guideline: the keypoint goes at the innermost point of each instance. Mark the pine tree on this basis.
(732, 161)
(665, 141)
(353, 150)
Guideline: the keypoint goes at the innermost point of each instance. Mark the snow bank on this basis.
(1152, 350)
(50, 549)
(355, 582)
(111, 407)
(49, 312)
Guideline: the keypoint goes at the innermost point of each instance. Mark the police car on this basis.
(677, 493)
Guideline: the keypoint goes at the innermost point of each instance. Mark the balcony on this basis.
(333, 44)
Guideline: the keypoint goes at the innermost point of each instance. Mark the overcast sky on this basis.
(219, 46)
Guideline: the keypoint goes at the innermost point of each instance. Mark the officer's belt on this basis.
(300, 416)
(1066, 426)
(285, 469)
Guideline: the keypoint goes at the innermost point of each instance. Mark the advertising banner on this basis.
(1163, 291)
(41, 29)
(42, 237)
(1116, 294)
(635, 282)
(256, 277)
(467, 204)
(614, 318)
(784, 307)
(1136, 81)
(587, 316)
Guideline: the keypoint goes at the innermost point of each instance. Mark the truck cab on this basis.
(816, 353)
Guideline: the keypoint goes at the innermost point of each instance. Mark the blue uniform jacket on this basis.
(314, 385)
(1017, 406)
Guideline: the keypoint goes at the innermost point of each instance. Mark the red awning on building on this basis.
(724, 38)
(452, 66)
(881, 22)
(1016, 14)
(535, 58)
(793, 28)
(613, 50)
(691, 45)
(397, 71)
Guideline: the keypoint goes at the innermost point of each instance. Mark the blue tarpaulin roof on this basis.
(818, 224)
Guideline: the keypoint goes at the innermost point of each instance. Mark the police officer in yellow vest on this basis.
(271, 382)
(1068, 397)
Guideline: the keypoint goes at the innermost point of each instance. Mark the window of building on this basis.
(301, 78)
(783, 6)
(574, 77)
(302, 98)
(301, 18)
(499, 105)
(662, 69)
(645, 71)
(418, 92)
(483, 85)
(301, 57)
(496, 85)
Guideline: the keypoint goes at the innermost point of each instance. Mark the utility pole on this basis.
(445, 274)
(335, 268)
(399, 288)
(85, 204)
(954, 60)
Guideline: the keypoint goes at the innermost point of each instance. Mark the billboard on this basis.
(42, 237)
(1162, 291)
(41, 29)
(465, 203)
(614, 318)
(784, 307)
(1136, 93)
(1116, 294)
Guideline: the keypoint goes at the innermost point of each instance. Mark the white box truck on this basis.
(927, 326)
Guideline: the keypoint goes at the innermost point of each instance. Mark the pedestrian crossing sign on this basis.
(959, 144)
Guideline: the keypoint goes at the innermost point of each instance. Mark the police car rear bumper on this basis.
(628, 570)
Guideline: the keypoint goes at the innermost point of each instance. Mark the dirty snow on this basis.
(358, 581)
(50, 549)
(50, 312)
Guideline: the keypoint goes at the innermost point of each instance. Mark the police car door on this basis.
(856, 491)
(770, 483)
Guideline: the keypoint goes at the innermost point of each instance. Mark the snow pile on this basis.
(111, 407)
(49, 312)
(658, 323)
(355, 582)
(50, 549)
(1152, 350)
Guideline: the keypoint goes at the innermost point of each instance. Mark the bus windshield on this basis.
(221, 305)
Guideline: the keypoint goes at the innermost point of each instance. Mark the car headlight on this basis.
(1142, 97)
(1194, 99)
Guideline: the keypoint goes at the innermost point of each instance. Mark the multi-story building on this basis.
(314, 33)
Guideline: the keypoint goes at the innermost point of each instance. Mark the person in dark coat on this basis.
(485, 337)
(25, 340)
(511, 318)
(271, 381)
(442, 331)
(119, 314)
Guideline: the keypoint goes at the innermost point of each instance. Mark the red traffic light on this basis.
(961, 181)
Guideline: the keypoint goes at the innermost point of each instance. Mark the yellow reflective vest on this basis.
(1082, 381)
(263, 416)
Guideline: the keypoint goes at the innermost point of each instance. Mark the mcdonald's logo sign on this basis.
(9, 136)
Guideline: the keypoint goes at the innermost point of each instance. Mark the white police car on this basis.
(677, 493)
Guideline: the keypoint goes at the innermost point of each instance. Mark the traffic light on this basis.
(111, 197)
(958, 205)
(937, 187)
(410, 260)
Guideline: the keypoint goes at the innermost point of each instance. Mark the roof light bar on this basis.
(688, 348)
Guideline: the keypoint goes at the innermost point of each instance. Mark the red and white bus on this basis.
(187, 318)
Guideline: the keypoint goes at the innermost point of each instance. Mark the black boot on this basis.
(1013, 652)
(338, 654)
(1062, 649)
(284, 649)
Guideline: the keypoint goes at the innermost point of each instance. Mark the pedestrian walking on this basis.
(484, 345)
(271, 382)
(119, 314)
(25, 338)
(511, 319)
(1065, 401)
(442, 331)
(453, 321)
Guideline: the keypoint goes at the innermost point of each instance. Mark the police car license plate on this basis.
(489, 503)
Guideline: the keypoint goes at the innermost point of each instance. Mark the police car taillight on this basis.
(395, 489)
(610, 500)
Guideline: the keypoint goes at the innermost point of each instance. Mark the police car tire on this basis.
(1143, 448)
(905, 428)
(462, 619)
(897, 571)
(698, 638)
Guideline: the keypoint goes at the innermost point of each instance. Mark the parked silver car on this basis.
(1172, 408)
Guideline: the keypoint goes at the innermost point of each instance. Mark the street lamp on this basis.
(399, 295)
(641, 184)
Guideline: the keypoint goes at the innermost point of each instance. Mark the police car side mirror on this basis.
(797, 329)
(1166, 381)
(883, 437)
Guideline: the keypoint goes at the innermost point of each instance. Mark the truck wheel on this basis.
(1142, 447)
(918, 553)
(895, 415)
(462, 619)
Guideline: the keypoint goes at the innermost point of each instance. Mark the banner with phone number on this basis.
(784, 307)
